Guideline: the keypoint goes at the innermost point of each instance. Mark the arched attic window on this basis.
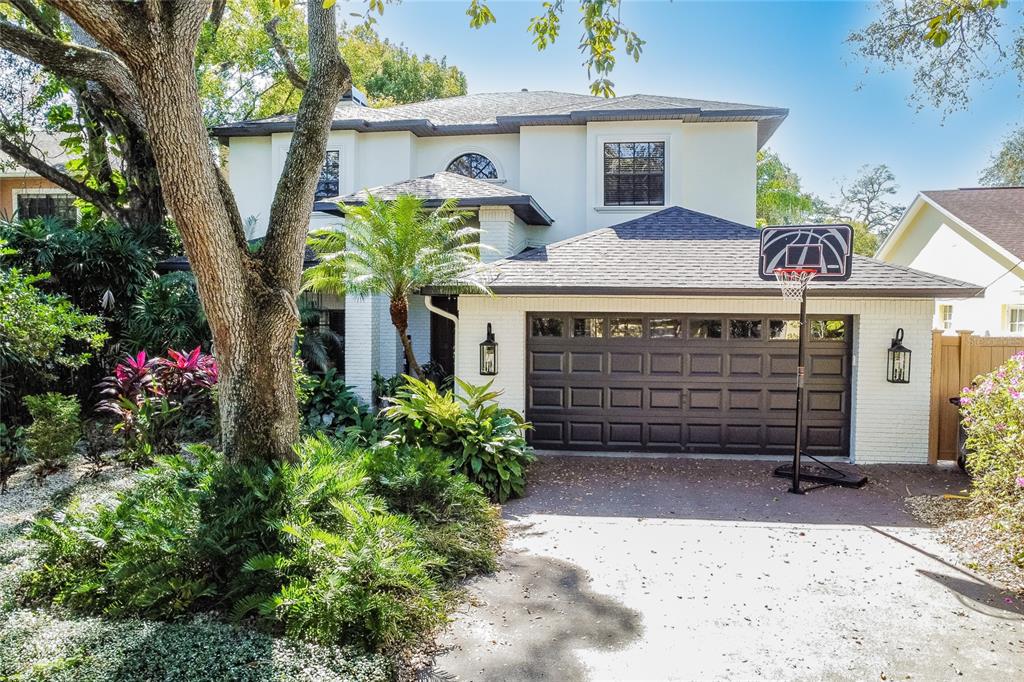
(473, 165)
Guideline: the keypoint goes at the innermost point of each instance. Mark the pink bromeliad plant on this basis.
(152, 398)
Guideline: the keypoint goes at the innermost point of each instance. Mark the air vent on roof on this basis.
(525, 90)
(356, 96)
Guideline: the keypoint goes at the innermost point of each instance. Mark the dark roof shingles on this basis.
(996, 212)
(677, 250)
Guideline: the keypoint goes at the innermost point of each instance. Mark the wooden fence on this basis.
(956, 361)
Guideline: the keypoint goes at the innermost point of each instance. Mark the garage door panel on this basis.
(546, 397)
(750, 399)
(546, 361)
(665, 363)
(626, 363)
(693, 383)
(705, 399)
(745, 364)
(586, 433)
(706, 364)
(586, 396)
(586, 363)
(626, 433)
(666, 398)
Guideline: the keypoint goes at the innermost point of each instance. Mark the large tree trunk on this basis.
(249, 299)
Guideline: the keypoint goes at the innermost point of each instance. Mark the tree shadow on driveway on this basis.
(528, 621)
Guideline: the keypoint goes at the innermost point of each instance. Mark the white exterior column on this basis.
(360, 344)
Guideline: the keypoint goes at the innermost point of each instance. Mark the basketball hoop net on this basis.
(794, 281)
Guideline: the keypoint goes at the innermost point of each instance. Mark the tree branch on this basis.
(74, 61)
(283, 250)
(292, 71)
(34, 16)
(114, 24)
(27, 160)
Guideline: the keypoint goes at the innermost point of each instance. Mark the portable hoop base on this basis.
(793, 283)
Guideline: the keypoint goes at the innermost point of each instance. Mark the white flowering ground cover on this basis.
(51, 644)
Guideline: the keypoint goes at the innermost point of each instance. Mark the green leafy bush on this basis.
(331, 406)
(54, 432)
(993, 413)
(342, 545)
(168, 314)
(485, 441)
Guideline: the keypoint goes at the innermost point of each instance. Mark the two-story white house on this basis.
(628, 312)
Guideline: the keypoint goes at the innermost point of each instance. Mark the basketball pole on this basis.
(800, 375)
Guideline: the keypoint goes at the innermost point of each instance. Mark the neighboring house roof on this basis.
(506, 112)
(677, 251)
(437, 187)
(45, 146)
(996, 212)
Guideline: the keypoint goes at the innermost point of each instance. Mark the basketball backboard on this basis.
(828, 249)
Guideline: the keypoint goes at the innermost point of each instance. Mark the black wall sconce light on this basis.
(489, 354)
(898, 365)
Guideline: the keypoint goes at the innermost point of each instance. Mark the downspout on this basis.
(428, 301)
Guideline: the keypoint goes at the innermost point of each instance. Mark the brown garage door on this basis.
(684, 383)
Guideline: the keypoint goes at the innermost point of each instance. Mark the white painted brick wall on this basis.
(889, 421)
(419, 329)
(498, 230)
(360, 346)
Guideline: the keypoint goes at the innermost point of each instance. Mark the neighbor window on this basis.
(327, 185)
(634, 173)
(946, 316)
(59, 205)
(1015, 319)
(472, 165)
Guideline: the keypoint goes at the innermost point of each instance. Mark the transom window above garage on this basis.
(691, 328)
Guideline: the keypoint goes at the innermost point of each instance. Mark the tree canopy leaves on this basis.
(1006, 167)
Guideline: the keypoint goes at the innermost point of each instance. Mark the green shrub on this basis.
(54, 432)
(993, 413)
(484, 440)
(12, 452)
(342, 545)
(168, 314)
(331, 406)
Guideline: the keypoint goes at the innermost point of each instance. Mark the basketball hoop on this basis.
(794, 281)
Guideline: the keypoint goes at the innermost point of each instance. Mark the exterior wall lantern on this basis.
(489, 354)
(898, 366)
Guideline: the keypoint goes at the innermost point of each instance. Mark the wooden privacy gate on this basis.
(956, 361)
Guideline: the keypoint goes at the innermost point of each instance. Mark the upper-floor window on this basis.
(634, 173)
(327, 185)
(946, 316)
(57, 204)
(474, 165)
(1015, 319)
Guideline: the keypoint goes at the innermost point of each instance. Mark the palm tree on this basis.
(395, 248)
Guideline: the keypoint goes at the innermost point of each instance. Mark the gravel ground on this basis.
(55, 646)
(676, 569)
(978, 545)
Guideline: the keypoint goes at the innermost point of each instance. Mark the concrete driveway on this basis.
(658, 569)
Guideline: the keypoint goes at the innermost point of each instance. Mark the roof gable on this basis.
(678, 251)
(997, 213)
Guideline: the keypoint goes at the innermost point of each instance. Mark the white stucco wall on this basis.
(933, 242)
(710, 167)
(889, 422)
(433, 154)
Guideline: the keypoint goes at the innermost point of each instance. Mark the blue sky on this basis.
(790, 54)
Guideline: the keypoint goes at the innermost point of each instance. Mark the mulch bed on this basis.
(980, 546)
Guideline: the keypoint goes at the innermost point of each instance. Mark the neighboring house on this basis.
(973, 234)
(628, 312)
(24, 194)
